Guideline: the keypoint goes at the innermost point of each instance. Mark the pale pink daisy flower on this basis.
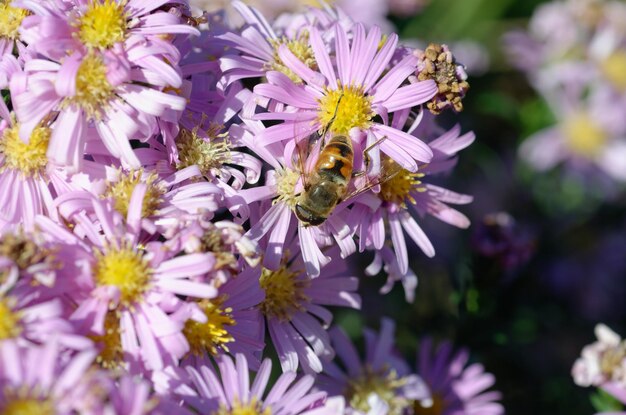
(45, 380)
(231, 390)
(404, 194)
(353, 90)
(11, 18)
(132, 295)
(99, 90)
(603, 362)
(381, 375)
(143, 29)
(456, 389)
(295, 312)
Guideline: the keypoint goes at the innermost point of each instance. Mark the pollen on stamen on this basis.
(380, 383)
(10, 19)
(111, 354)
(10, 319)
(27, 158)
(212, 335)
(399, 187)
(17, 405)
(122, 189)
(300, 48)
(208, 154)
(253, 407)
(93, 90)
(127, 269)
(342, 109)
(103, 24)
(286, 181)
(284, 292)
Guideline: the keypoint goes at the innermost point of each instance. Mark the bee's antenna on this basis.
(332, 120)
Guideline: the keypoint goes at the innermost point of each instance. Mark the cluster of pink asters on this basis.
(573, 54)
(152, 161)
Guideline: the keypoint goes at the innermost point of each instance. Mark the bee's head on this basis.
(307, 216)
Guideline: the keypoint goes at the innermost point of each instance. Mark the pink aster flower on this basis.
(456, 388)
(43, 379)
(97, 94)
(11, 18)
(403, 195)
(382, 375)
(233, 391)
(294, 308)
(348, 91)
(134, 298)
(603, 362)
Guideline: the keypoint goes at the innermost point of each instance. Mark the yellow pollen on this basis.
(283, 292)
(125, 268)
(9, 319)
(10, 19)
(254, 407)
(611, 360)
(397, 189)
(29, 159)
(111, 354)
(300, 48)
(583, 136)
(93, 90)
(208, 154)
(614, 68)
(27, 406)
(286, 181)
(212, 335)
(103, 24)
(121, 192)
(382, 383)
(437, 408)
(344, 108)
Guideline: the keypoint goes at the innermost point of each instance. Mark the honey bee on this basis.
(327, 184)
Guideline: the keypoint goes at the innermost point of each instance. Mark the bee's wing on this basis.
(306, 145)
(388, 172)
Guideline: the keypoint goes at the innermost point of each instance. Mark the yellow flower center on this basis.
(300, 48)
(611, 360)
(381, 383)
(286, 181)
(213, 334)
(254, 407)
(208, 155)
(437, 408)
(93, 90)
(583, 136)
(103, 24)
(27, 406)
(111, 353)
(614, 68)
(125, 268)
(397, 189)
(344, 108)
(10, 324)
(10, 19)
(283, 292)
(121, 192)
(29, 159)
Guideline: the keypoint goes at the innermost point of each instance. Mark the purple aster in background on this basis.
(456, 389)
(132, 296)
(382, 375)
(233, 391)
